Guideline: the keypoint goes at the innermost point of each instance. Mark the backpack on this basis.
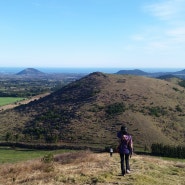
(125, 146)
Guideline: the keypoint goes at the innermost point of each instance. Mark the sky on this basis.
(92, 33)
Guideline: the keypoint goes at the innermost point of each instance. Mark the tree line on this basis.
(168, 151)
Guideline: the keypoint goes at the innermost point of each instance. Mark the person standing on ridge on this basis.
(125, 149)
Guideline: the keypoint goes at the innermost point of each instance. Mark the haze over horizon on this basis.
(92, 34)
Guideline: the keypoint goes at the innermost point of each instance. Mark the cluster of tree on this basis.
(168, 151)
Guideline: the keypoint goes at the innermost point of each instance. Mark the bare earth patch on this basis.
(87, 168)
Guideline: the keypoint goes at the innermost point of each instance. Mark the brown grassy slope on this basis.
(92, 168)
(154, 111)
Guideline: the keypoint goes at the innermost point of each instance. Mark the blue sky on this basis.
(92, 33)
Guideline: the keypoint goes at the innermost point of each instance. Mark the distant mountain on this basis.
(91, 110)
(137, 72)
(133, 72)
(165, 77)
(180, 72)
(30, 71)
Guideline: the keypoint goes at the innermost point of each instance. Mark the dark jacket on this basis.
(125, 143)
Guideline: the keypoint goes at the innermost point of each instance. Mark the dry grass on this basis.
(93, 168)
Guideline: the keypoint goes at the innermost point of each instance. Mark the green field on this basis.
(9, 155)
(9, 100)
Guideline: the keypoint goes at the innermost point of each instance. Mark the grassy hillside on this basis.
(93, 168)
(91, 110)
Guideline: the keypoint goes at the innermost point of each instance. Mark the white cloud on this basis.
(159, 45)
(177, 34)
(166, 37)
(137, 37)
(166, 9)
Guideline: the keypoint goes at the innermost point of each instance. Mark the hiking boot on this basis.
(128, 171)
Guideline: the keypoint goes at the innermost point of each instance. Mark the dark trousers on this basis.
(124, 162)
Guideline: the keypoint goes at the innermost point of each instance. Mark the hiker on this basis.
(111, 152)
(125, 149)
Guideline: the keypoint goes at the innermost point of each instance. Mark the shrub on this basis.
(178, 108)
(174, 88)
(49, 158)
(156, 111)
(116, 108)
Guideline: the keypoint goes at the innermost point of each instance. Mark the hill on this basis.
(133, 72)
(91, 110)
(137, 72)
(166, 77)
(182, 72)
(30, 71)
